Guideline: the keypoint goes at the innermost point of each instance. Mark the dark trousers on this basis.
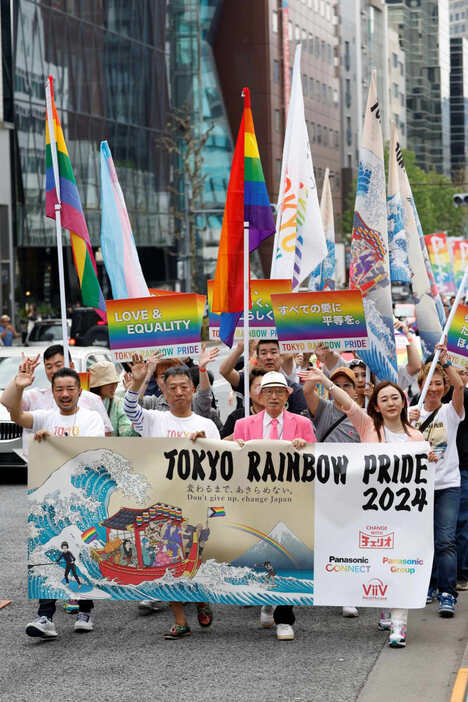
(462, 528)
(47, 607)
(71, 567)
(444, 567)
(284, 614)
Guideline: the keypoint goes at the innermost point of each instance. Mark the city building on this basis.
(120, 71)
(397, 86)
(459, 109)
(364, 47)
(458, 18)
(262, 36)
(423, 30)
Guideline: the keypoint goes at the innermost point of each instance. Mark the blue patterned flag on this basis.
(369, 270)
(397, 244)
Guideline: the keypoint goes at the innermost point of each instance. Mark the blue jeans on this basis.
(462, 529)
(444, 566)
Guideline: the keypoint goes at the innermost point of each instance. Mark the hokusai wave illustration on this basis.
(152, 552)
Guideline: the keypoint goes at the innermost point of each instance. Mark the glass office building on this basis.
(120, 67)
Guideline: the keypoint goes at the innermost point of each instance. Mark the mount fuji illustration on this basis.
(291, 554)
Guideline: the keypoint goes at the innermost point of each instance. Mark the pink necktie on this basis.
(274, 429)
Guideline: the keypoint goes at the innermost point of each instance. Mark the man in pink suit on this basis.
(275, 422)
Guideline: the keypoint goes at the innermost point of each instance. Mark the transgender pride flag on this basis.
(117, 243)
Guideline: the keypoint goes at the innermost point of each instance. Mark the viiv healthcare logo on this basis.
(375, 590)
(347, 564)
(376, 536)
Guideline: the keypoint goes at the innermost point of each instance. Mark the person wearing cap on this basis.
(7, 331)
(103, 381)
(331, 424)
(275, 422)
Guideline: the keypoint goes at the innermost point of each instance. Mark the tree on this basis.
(184, 145)
(432, 194)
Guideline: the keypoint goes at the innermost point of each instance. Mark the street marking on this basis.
(4, 603)
(460, 687)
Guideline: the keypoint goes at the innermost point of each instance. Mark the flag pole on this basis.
(63, 305)
(246, 319)
(448, 324)
(58, 218)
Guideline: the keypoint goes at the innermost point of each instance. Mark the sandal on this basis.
(205, 614)
(178, 631)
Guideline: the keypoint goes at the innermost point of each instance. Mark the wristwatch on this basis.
(447, 364)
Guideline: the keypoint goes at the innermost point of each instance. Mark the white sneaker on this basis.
(83, 622)
(42, 628)
(350, 612)
(397, 638)
(147, 606)
(266, 617)
(284, 632)
(385, 621)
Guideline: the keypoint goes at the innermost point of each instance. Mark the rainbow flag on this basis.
(216, 512)
(247, 200)
(89, 535)
(61, 189)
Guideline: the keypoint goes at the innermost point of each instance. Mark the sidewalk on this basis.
(427, 668)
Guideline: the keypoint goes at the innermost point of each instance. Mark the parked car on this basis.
(10, 357)
(45, 332)
(87, 328)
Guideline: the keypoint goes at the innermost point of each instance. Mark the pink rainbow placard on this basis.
(457, 338)
(170, 324)
(460, 259)
(442, 266)
(261, 319)
(304, 320)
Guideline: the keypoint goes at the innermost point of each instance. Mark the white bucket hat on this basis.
(273, 379)
(102, 373)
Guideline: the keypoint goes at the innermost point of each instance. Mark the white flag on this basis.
(323, 277)
(299, 240)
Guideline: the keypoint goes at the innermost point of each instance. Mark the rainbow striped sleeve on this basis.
(72, 215)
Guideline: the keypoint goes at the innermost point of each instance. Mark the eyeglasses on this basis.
(273, 391)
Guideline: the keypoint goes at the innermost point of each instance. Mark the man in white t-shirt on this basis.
(65, 419)
(43, 398)
(179, 422)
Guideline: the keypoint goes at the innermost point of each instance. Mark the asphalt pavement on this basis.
(126, 658)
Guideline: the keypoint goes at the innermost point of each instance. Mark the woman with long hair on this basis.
(386, 420)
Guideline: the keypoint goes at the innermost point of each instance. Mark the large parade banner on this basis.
(442, 265)
(209, 521)
(169, 324)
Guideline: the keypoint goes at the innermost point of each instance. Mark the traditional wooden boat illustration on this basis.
(145, 544)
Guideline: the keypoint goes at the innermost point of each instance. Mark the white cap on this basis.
(273, 379)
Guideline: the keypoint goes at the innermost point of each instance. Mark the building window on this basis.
(395, 60)
(324, 51)
(304, 37)
(316, 5)
(311, 44)
(402, 127)
(330, 96)
(324, 92)
(395, 90)
(335, 97)
(396, 119)
(350, 161)
(317, 47)
(325, 136)
(322, 8)
(402, 69)
(402, 100)
(319, 134)
(312, 132)
(277, 121)
(330, 53)
(290, 31)
(276, 71)
(347, 56)
(274, 22)
(337, 140)
(349, 133)
(304, 84)
(311, 87)
(298, 33)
